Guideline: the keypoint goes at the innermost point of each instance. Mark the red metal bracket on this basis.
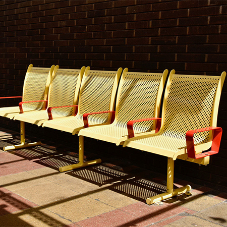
(11, 97)
(131, 123)
(85, 116)
(217, 133)
(21, 103)
(55, 107)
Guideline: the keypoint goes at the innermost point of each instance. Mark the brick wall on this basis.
(143, 35)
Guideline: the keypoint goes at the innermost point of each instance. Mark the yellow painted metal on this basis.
(170, 192)
(139, 96)
(81, 159)
(23, 143)
(35, 87)
(63, 87)
(97, 93)
(155, 199)
(170, 175)
(190, 102)
(63, 91)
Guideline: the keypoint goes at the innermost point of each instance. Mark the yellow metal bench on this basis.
(36, 85)
(97, 93)
(139, 96)
(188, 126)
(62, 99)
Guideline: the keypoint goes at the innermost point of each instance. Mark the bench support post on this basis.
(22, 138)
(81, 159)
(170, 191)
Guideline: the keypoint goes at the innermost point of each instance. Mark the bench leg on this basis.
(81, 159)
(22, 138)
(170, 191)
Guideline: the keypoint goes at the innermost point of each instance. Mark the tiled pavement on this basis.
(34, 193)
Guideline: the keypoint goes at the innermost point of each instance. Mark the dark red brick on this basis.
(123, 33)
(101, 63)
(122, 49)
(219, 58)
(164, 6)
(124, 18)
(174, 14)
(139, 8)
(164, 23)
(61, 30)
(221, 38)
(81, 22)
(66, 23)
(103, 5)
(172, 48)
(78, 29)
(46, 6)
(115, 41)
(193, 21)
(76, 56)
(116, 26)
(198, 39)
(138, 24)
(78, 15)
(95, 56)
(190, 57)
(103, 20)
(102, 35)
(138, 41)
(51, 37)
(163, 57)
(124, 3)
(147, 16)
(137, 57)
(115, 11)
(204, 11)
(52, 12)
(96, 27)
(66, 36)
(173, 31)
(146, 49)
(201, 67)
(68, 10)
(88, 7)
(115, 57)
(60, 17)
(83, 35)
(218, 2)
(146, 32)
(206, 48)
(203, 30)
(192, 4)
(96, 13)
(94, 42)
(221, 19)
(101, 49)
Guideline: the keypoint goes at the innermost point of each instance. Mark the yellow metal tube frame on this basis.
(170, 192)
(23, 143)
(81, 159)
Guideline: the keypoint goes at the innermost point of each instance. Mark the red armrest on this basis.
(217, 133)
(131, 123)
(11, 97)
(85, 116)
(55, 107)
(21, 103)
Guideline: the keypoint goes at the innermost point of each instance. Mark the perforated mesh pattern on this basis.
(189, 106)
(62, 91)
(34, 87)
(95, 95)
(137, 98)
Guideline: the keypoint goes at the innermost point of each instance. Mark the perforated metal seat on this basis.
(36, 85)
(139, 96)
(62, 97)
(97, 93)
(63, 91)
(190, 109)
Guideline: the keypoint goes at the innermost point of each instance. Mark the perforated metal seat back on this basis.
(137, 96)
(62, 90)
(96, 94)
(189, 105)
(35, 83)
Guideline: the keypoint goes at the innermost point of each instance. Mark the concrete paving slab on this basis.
(191, 221)
(216, 214)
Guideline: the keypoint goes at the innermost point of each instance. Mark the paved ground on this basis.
(34, 193)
